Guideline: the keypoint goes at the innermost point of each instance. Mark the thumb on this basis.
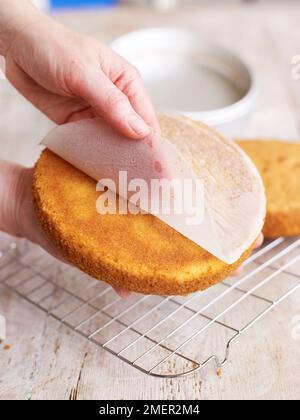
(112, 104)
(11, 176)
(17, 216)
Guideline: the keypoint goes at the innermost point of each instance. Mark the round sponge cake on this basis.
(279, 165)
(135, 252)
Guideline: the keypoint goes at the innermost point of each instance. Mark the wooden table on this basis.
(42, 360)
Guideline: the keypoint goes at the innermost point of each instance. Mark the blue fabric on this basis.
(81, 3)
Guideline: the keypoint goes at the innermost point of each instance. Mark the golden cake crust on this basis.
(279, 165)
(136, 252)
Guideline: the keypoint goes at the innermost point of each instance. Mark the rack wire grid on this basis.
(161, 336)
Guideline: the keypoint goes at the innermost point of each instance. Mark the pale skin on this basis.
(67, 76)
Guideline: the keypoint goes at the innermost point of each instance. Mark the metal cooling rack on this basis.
(161, 336)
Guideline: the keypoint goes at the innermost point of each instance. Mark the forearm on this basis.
(12, 179)
(15, 15)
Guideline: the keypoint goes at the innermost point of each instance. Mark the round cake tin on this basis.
(187, 75)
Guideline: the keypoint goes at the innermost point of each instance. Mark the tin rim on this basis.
(217, 116)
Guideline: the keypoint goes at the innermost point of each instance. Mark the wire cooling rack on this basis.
(161, 336)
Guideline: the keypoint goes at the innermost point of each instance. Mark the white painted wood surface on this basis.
(48, 361)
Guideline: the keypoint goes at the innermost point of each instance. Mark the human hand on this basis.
(17, 215)
(69, 76)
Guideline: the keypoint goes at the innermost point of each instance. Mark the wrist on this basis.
(15, 16)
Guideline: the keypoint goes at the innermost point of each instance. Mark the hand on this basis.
(258, 244)
(17, 216)
(69, 76)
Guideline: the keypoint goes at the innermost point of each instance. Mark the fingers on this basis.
(132, 85)
(109, 102)
(260, 241)
(124, 294)
(239, 271)
(258, 244)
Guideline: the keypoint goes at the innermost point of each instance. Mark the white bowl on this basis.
(186, 75)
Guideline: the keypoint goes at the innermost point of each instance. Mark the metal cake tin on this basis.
(185, 74)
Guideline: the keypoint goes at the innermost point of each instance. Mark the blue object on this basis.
(58, 4)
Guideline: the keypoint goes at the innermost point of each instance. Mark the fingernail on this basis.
(124, 294)
(259, 241)
(139, 126)
(238, 272)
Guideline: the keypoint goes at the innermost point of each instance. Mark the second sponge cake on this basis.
(279, 165)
